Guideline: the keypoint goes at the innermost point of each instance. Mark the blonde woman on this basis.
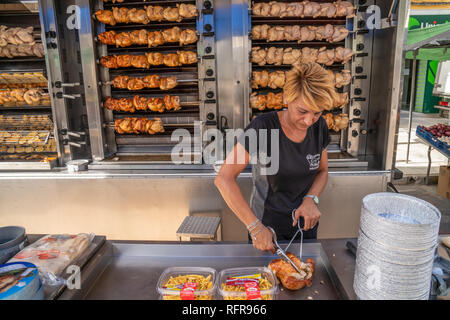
(303, 163)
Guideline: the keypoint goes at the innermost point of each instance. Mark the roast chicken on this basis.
(143, 103)
(150, 38)
(304, 9)
(341, 100)
(149, 59)
(149, 81)
(138, 125)
(329, 33)
(22, 50)
(272, 80)
(35, 96)
(16, 36)
(269, 101)
(277, 79)
(288, 275)
(336, 122)
(144, 16)
(288, 56)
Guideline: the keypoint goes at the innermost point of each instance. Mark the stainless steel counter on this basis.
(199, 171)
(135, 268)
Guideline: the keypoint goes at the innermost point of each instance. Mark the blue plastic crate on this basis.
(434, 141)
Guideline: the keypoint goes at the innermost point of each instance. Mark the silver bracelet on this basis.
(251, 225)
(258, 231)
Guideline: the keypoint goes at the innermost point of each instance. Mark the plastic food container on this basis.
(256, 283)
(12, 240)
(187, 283)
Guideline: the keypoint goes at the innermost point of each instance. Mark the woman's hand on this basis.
(263, 240)
(310, 213)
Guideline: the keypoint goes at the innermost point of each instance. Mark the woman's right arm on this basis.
(231, 193)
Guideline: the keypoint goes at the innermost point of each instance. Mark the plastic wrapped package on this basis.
(52, 254)
(257, 283)
(187, 283)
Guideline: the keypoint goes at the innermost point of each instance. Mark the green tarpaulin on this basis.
(432, 41)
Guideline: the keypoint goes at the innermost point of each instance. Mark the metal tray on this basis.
(136, 267)
(27, 165)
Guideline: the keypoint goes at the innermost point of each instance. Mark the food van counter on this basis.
(131, 269)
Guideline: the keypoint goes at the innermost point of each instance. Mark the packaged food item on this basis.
(256, 283)
(19, 281)
(187, 283)
(53, 253)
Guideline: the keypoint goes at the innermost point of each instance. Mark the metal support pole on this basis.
(412, 102)
(427, 181)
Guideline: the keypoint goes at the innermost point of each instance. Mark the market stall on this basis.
(430, 43)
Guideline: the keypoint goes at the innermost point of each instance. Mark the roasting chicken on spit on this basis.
(288, 56)
(27, 77)
(290, 278)
(151, 58)
(155, 58)
(143, 103)
(149, 81)
(341, 100)
(272, 80)
(150, 38)
(342, 78)
(271, 101)
(328, 33)
(336, 122)
(22, 50)
(172, 60)
(276, 79)
(16, 36)
(13, 97)
(151, 13)
(108, 37)
(138, 125)
(23, 85)
(304, 9)
(138, 61)
(187, 57)
(106, 17)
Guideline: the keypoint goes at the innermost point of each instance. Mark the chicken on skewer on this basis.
(16, 36)
(288, 56)
(138, 126)
(21, 96)
(146, 15)
(341, 100)
(264, 79)
(304, 9)
(271, 101)
(22, 50)
(149, 59)
(329, 33)
(336, 122)
(141, 103)
(149, 81)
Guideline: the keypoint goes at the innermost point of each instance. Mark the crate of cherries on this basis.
(438, 135)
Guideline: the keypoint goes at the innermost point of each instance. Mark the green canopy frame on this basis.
(432, 43)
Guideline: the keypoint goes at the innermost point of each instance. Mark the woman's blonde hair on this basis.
(311, 82)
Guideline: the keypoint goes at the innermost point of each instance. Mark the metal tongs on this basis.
(282, 253)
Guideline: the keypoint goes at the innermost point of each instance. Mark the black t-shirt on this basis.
(276, 193)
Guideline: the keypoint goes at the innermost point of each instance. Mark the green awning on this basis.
(432, 43)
